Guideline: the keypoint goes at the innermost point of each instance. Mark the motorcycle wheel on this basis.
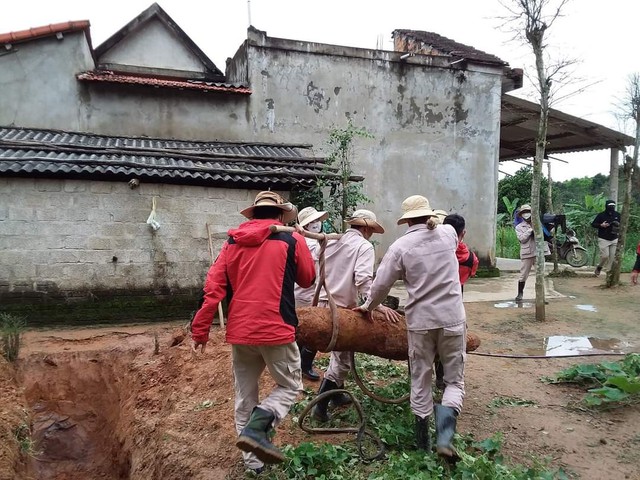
(577, 257)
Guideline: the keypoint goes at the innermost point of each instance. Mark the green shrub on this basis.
(608, 383)
(11, 328)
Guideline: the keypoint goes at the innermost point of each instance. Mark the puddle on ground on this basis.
(587, 308)
(561, 345)
(513, 305)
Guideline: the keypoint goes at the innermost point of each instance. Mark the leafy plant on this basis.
(339, 194)
(11, 328)
(608, 383)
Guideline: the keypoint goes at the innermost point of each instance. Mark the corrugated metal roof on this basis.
(565, 133)
(28, 152)
(111, 77)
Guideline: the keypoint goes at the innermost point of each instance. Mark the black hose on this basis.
(546, 357)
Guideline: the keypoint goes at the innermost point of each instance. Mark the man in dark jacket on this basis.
(636, 267)
(256, 270)
(608, 225)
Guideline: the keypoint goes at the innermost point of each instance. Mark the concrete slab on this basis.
(499, 289)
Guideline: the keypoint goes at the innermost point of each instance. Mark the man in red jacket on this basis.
(256, 271)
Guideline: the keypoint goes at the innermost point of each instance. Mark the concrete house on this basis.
(89, 137)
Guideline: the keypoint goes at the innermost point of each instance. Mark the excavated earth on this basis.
(98, 403)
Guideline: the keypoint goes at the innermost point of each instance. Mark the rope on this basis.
(361, 431)
(369, 393)
(322, 282)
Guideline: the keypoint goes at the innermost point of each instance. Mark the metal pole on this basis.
(249, 11)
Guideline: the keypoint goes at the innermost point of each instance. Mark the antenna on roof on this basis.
(249, 11)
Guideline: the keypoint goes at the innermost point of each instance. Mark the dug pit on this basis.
(79, 416)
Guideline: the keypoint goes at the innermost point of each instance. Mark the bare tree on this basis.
(630, 110)
(530, 20)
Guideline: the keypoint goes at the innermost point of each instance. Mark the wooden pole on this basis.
(212, 257)
(305, 233)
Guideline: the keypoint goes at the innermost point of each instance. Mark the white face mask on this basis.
(314, 227)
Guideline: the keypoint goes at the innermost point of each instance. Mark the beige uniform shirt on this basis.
(426, 261)
(304, 296)
(348, 268)
(524, 232)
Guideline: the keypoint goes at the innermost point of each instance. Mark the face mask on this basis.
(526, 216)
(611, 207)
(314, 227)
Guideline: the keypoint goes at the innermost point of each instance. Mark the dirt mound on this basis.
(14, 424)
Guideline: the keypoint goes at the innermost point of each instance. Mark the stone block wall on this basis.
(73, 240)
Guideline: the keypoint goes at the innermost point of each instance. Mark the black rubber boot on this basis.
(306, 363)
(319, 410)
(422, 433)
(439, 375)
(520, 291)
(446, 418)
(254, 437)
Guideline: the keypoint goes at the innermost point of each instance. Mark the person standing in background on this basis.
(608, 224)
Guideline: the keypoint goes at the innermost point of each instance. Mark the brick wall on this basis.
(75, 238)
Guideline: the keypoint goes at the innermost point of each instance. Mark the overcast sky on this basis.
(600, 35)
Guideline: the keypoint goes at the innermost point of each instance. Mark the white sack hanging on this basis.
(152, 216)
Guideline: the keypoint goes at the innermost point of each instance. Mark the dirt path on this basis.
(136, 414)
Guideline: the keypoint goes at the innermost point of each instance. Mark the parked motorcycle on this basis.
(570, 250)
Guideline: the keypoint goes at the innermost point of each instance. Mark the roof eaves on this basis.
(107, 76)
(45, 31)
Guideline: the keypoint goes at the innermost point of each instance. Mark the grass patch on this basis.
(11, 328)
(500, 402)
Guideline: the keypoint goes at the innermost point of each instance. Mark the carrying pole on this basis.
(212, 257)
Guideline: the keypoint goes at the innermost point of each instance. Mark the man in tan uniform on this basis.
(349, 274)
(426, 261)
(310, 220)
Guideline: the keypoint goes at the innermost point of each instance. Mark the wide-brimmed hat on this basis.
(415, 206)
(525, 208)
(441, 214)
(272, 199)
(365, 218)
(309, 215)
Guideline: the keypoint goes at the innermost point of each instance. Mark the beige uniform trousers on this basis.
(450, 344)
(339, 362)
(607, 252)
(249, 361)
(526, 264)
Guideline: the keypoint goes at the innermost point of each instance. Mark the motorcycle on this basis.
(570, 249)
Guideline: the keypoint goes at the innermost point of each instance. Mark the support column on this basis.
(613, 175)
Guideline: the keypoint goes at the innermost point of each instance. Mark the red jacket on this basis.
(468, 262)
(256, 270)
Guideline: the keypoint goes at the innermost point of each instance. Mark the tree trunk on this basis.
(613, 276)
(357, 334)
(613, 175)
(541, 141)
(554, 243)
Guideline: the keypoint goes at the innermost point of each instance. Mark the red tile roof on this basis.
(111, 77)
(38, 32)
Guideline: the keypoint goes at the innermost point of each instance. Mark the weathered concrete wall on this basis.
(142, 50)
(436, 129)
(38, 87)
(66, 238)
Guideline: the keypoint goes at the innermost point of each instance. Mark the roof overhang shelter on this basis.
(565, 134)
